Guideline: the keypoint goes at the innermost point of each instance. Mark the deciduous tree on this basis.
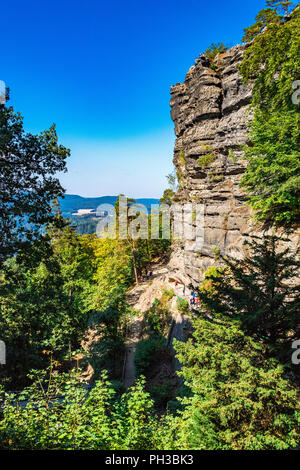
(28, 164)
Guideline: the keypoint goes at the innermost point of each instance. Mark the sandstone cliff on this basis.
(210, 111)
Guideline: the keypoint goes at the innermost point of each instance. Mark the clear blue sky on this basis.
(102, 72)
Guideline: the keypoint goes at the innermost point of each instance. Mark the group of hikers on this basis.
(194, 300)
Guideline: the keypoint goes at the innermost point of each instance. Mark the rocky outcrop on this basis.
(211, 111)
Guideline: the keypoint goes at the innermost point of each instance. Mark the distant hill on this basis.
(72, 203)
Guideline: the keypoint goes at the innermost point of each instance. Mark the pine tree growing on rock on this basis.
(284, 5)
(262, 19)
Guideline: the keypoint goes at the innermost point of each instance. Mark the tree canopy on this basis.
(237, 399)
(259, 291)
(271, 63)
(28, 164)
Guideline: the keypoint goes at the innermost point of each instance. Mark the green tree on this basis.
(283, 5)
(33, 316)
(260, 291)
(182, 306)
(28, 164)
(238, 399)
(46, 296)
(75, 259)
(172, 180)
(272, 178)
(167, 197)
(108, 352)
(142, 247)
(158, 317)
(149, 353)
(262, 19)
(112, 267)
(130, 239)
(213, 50)
(59, 413)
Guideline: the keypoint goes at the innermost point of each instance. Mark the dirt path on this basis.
(141, 298)
(134, 335)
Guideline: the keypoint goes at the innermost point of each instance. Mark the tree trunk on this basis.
(148, 250)
(134, 263)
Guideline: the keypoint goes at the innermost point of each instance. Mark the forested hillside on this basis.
(86, 224)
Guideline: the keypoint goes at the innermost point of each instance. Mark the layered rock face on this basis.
(211, 110)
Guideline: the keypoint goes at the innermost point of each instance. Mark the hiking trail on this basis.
(141, 298)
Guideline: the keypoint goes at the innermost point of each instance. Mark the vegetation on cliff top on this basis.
(213, 50)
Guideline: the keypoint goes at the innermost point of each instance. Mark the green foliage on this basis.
(182, 158)
(212, 277)
(216, 252)
(272, 60)
(172, 180)
(162, 393)
(28, 164)
(76, 263)
(272, 177)
(111, 326)
(194, 215)
(48, 299)
(232, 156)
(148, 353)
(142, 247)
(206, 160)
(280, 5)
(213, 178)
(260, 291)
(168, 197)
(182, 306)
(59, 413)
(168, 294)
(113, 270)
(84, 225)
(53, 290)
(58, 284)
(181, 168)
(239, 400)
(262, 19)
(158, 317)
(213, 50)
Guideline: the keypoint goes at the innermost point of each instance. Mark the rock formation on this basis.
(211, 111)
